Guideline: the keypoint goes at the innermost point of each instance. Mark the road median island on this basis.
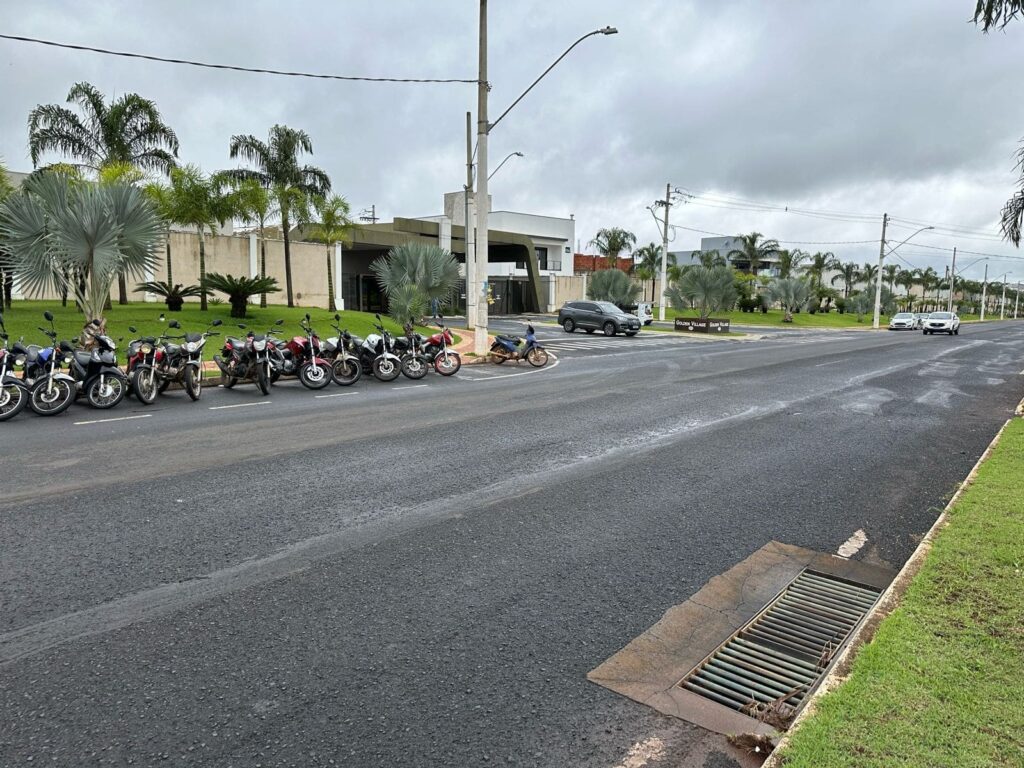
(942, 681)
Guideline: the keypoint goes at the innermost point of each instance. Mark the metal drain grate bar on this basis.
(779, 656)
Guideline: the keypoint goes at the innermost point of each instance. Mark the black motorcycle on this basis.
(247, 358)
(343, 352)
(96, 372)
(14, 393)
(377, 354)
(50, 390)
(410, 349)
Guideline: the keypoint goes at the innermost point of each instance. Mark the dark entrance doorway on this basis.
(512, 295)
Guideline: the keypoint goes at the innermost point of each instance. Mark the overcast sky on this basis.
(862, 107)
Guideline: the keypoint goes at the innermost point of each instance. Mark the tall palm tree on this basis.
(710, 258)
(79, 237)
(907, 279)
(648, 264)
(927, 278)
(129, 130)
(889, 273)
(119, 172)
(753, 250)
(820, 263)
(867, 274)
(997, 13)
(613, 241)
(848, 275)
(6, 274)
(255, 205)
(278, 169)
(334, 226)
(790, 261)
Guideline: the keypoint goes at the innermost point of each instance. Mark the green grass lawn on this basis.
(942, 683)
(25, 316)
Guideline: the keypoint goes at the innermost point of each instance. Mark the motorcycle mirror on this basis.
(377, 315)
(242, 326)
(279, 322)
(337, 317)
(217, 322)
(48, 315)
(174, 324)
(307, 317)
(161, 318)
(95, 323)
(132, 329)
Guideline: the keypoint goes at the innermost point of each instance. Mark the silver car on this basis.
(942, 322)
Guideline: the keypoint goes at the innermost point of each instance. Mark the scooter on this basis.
(14, 393)
(513, 348)
(343, 350)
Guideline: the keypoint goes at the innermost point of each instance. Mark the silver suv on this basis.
(942, 322)
(594, 315)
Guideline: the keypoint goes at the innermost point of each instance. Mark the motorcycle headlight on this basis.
(259, 346)
(146, 349)
(190, 346)
(19, 359)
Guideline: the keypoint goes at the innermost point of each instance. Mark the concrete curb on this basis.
(886, 604)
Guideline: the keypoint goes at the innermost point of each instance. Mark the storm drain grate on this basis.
(767, 668)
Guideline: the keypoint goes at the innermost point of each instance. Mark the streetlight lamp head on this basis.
(608, 31)
(519, 154)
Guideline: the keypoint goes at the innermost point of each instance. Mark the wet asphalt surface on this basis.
(423, 574)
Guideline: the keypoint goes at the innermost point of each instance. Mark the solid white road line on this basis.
(853, 544)
(523, 373)
(336, 394)
(238, 405)
(411, 386)
(832, 362)
(105, 421)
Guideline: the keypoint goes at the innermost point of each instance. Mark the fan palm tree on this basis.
(6, 275)
(278, 169)
(709, 289)
(255, 205)
(119, 172)
(335, 226)
(648, 264)
(431, 269)
(613, 285)
(791, 261)
(753, 250)
(613, 241)
(848, 275)
(792, 293)
(129, 130)
(818, 264)
(78, 237)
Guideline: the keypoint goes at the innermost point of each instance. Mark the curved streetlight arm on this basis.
(604, 31)
(510, 155)
(893, 249)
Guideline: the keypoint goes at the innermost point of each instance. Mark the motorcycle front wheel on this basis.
(106, 391)
(13, 400)
(447, 364)
(145, 385)
(263, 378)
(50, 398)
(193, 382)
(386, 369)
(414, 367)
(314, 376)
(346, 371)
(537, 357)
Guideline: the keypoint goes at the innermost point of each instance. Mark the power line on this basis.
(788, 242)
(255, 70)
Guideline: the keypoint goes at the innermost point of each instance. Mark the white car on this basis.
(942, 322)
(903, 321)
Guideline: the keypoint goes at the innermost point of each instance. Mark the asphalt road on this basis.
(422, 575)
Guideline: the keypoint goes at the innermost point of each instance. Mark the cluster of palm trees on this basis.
(79, 225)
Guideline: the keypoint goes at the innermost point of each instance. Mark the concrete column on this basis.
(338, 298)
(444, 233)
(254, 255)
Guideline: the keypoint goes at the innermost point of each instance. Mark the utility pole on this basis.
(878, 283)
(480, 345)
(664, 254)
(1002, 307)
(984, 287)
(469, 221)
(952, 280)
(1016, 302)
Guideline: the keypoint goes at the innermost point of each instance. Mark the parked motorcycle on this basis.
(14, 393)
(377, 354)
(247, 358)
(301, 356)
(410, 350)
(51, 391)
(153, 363)
(435, 350)
(343, 351)
(96, 371)
(514, 348)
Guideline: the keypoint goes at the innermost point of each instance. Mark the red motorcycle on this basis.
(300, 356)
(435, 349)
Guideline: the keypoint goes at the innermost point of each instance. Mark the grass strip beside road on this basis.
(942, 682)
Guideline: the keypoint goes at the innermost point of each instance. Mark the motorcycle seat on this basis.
(83, 358)
(235, 342)
(172, 349)
(513, 339)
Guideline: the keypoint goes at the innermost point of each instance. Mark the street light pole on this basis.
(952, 280)
(1002, 306)
(469, 222)
(882, 253)
(984, 288)
(1016, 301)
(509, 155)
(482, 203)
(664, 254)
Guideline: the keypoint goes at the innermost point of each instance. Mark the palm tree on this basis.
(848, 274)
(239, 289)
(819, 264)
(255, 205)
(278, 169)
(792, 293)
(867, 274)
(613, 285)
(907, 279)
(129, 130)
(79, 237)
(709, 289)
(997, 13)
(927, 278)
(334, 226)
(611, 242)
(6, 275)
(710, 258)
(648, 264)
(791, 261)
(432, 270)
(119, 172)
(753, 250)
(195, 200)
